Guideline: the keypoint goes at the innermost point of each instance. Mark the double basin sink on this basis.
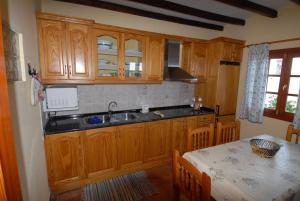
(107, 118)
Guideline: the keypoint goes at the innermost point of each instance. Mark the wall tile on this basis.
(95, 98)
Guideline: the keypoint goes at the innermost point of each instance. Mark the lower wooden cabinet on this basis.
(100, 151)
(78, 158)
(179, 129)
(157, 140)
(130, 142)
(64, 158)
(181, 126)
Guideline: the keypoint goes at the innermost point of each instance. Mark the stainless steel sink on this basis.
(122, 117)
(118, 117)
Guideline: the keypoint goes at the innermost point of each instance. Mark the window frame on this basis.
(287, 55)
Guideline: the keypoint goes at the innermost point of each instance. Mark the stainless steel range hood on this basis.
(173, 70)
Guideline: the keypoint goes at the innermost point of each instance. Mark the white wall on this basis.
(261, 29)
(125, 20)
(28, 134)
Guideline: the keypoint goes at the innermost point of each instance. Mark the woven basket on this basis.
(264, 148)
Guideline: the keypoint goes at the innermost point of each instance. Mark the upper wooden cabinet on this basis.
(198, 60)
(53, 54)
(155, 58)
(107, 55)
(79, 51)
(65, 50)
(119, 57)
(194, 55)
(231, 51)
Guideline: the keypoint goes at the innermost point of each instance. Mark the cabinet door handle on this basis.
(70, 70)
(217, 110)
(66, 70)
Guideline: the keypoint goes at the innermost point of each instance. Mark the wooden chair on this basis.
(290, 132)
(228, 132)
(200, 138)
(189, 181)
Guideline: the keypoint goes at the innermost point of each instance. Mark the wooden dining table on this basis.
(239, 174)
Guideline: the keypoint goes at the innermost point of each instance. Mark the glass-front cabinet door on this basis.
(134, 54)
(107, 55)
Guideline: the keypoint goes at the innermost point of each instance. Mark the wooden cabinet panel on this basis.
(198, 60)
(186, 56)
(79, 51)
(227, 51)
(130, 145)
(134, 57)
(100, 150)
(64, 157)
(237, 52)
(107, 57)
(227, 89)
(52, 50)
(232, 51)
(157, 140)
(179, 129)
(181, 126)
(155, 58)
(226, 119)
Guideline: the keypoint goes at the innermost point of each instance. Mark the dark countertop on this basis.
(68, 123)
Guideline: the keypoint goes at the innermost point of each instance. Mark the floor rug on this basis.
(132, 187)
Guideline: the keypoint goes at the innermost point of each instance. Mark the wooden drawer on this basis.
(206, 118)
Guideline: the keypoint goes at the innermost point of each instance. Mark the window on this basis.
(283, 84)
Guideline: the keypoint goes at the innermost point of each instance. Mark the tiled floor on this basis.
(161, 177)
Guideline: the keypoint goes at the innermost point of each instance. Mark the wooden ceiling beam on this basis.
(296, 1)
(191, 11)
(144, 13)
(251, 6)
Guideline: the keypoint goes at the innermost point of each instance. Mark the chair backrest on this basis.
(200, 138)
(228, 132)
(195, 185)
(290, 132)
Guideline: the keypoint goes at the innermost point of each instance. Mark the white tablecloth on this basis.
(239, 174)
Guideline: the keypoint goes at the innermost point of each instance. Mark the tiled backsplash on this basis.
(95, 98)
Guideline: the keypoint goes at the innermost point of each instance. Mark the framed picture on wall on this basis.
(14, 54)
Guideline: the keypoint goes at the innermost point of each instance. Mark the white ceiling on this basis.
(207, 5)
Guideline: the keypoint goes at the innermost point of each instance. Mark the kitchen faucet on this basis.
(111, 104)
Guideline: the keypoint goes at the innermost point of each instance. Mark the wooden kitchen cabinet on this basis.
(220, 90)
(198, 60)
(157, 140)
(79, 51)
(130, 145)
(107, 55)
(181, 126)
(155, 58)
(64, 158)
(194, 55)
(134, 56)
(52, 50)
(65, 49)
(100, 150)
(119, 57)
(186, 55)
(179, 130)
(232, 51)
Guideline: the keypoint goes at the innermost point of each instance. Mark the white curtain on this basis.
(252, 106)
